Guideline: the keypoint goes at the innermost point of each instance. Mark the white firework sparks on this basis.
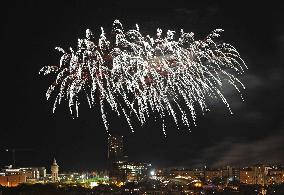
(140, 75)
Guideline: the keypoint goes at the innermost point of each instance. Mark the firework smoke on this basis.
(137, 76)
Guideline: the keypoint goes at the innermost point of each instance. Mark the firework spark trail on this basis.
(137, 75)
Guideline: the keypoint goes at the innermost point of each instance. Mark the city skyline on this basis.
(253, 134)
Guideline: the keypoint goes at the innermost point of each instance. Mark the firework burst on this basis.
(137, 76)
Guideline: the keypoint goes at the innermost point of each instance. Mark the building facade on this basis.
(115, 157)
(263, 175)
(120, 170)
(12, 177)
(132, 171)
(115, 148)
(212, 174)
(231, 174)
(54, 171)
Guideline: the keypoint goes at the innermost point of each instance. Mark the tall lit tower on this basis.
(54, 171)
(115, 148)
(115, 155)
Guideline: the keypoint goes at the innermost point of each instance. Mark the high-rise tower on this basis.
(115, 156)
(115, 148)
(54, 171)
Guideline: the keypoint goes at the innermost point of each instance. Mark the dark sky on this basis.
(253, 134)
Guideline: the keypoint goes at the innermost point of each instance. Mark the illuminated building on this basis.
(131, 172)
(120, 170)
(115, 155)
(255, 175)
(12, 177)
(231, 173)
(247, 176)
(34, 173)
(42, 172)
(12, 180)
(54, 171)
(275, 176)
(260, 173)
(211, 174)
(115, 148)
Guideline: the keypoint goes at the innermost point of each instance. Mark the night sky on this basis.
(253, 134)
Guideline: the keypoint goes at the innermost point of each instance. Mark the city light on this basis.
(151, 98)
